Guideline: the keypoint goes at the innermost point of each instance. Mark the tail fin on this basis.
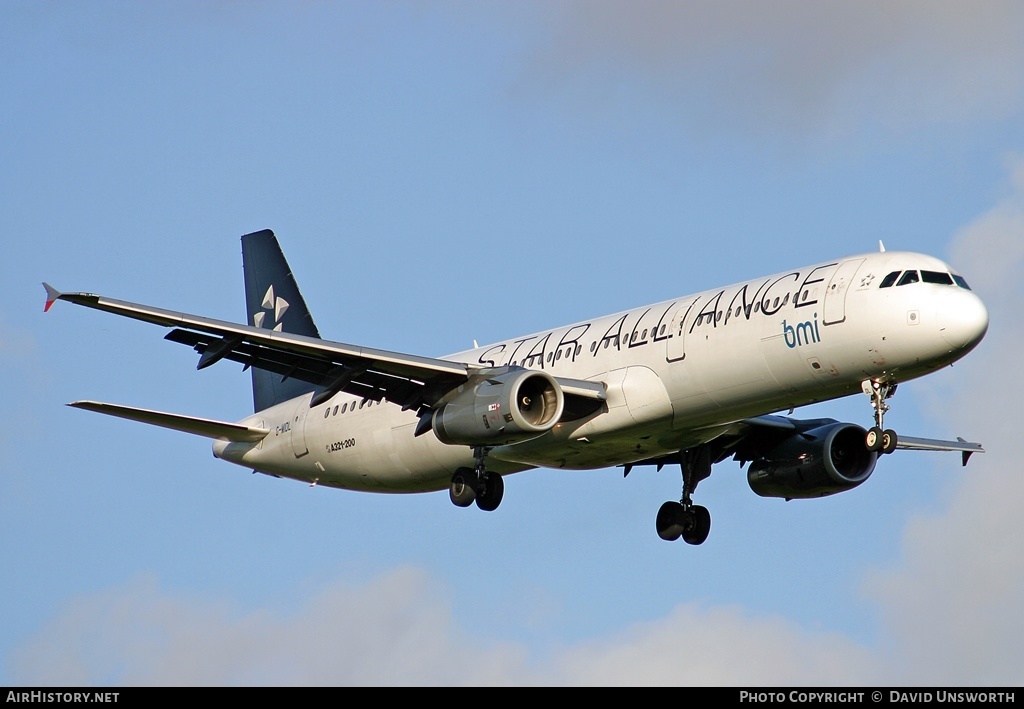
(273, 301)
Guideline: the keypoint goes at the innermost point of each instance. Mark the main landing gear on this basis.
(685, 519)
(477, 484)
(879, 439)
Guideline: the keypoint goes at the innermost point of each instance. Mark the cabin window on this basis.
(937, 277)
(327, 412)
(889, 280)
(909, 277)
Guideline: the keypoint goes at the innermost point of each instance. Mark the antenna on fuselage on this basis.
(881, 246)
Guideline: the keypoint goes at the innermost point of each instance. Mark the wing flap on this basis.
(188, 424)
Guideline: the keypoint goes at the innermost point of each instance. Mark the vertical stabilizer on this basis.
(273, 301)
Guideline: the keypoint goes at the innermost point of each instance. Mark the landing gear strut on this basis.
(685, 519)
(477, 484)
(879, 439)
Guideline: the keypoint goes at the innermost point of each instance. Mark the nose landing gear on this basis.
(879, 439)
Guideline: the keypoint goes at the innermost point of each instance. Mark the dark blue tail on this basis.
(273, 301)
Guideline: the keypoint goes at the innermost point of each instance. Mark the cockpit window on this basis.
(938, 277)
(942, 279)
(909, 277)
(959, 280)
(889, 280)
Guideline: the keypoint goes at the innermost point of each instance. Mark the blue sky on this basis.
(439, 172)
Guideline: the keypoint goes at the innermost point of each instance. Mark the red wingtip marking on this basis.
(46, 307)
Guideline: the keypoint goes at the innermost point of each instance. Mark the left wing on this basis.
(412, 381)
(753, 438)
(930, 444)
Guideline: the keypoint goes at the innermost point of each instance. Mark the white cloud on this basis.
(399, 629)
(395, 630)
(719, 646)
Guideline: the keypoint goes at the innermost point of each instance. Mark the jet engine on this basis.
(509, 407)
(821, 461)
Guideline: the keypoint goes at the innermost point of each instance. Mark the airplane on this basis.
(689, 381)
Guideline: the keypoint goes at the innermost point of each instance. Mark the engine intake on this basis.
(506, 408)
(822, 461)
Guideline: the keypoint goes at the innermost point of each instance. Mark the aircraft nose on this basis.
(963, 319)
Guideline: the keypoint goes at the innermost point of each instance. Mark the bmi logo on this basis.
(801, 334)
(277, 306)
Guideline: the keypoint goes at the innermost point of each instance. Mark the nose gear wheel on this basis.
(879, 439)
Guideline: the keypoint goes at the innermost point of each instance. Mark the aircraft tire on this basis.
(699, 525)
(889, 441)
(874, 438)
(670, 521)
(492, 489)
(462, 490)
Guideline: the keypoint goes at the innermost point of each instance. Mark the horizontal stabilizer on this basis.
(188, 424)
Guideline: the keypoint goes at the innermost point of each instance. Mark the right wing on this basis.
(412, 381)
(409, 380)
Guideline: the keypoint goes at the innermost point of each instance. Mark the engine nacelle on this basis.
(822, 461)
(509, 407)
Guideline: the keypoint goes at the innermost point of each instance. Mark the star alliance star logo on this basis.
(276, 305)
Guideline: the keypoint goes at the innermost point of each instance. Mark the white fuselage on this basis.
(676, 374)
